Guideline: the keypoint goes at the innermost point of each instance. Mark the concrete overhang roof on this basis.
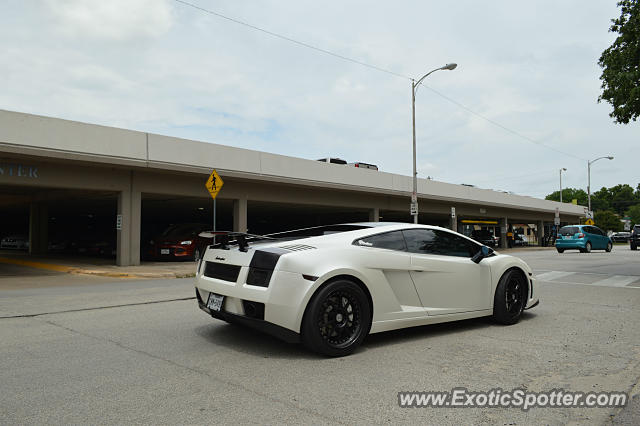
(41, 136)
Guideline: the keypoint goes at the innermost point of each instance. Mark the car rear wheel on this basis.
(587, 248)
(560, 250)
(510, 298)
(337, 319)
(609, 247)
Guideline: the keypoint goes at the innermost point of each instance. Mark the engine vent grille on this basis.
(297, 247)
(222, 271)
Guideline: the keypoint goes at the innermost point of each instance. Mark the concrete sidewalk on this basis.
(100, 267)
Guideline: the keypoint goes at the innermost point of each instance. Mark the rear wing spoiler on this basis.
(226, 237)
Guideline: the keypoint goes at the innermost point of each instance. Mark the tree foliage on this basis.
(607, 220)
(569, 194)
(621, 65)
(634, 214)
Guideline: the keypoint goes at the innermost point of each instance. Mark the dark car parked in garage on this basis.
(179, 242)
(483, 236)
(634, 238)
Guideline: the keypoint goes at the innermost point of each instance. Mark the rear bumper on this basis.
(571, 244)
(282, 333)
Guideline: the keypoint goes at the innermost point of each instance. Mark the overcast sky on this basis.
(164, 67)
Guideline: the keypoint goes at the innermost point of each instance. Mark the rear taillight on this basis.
(580, 235)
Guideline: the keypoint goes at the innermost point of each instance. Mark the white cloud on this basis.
(159, 66)
(111, 19)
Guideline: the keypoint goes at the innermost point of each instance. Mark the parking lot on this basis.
(140, 351)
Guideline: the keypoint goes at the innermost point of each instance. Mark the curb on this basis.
(95, 272)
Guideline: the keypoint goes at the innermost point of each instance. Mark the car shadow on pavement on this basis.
(395, 337)
(253, 342)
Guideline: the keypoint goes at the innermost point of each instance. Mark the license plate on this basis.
(164, 251)
(215, 302)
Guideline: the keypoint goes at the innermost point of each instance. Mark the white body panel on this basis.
(406, 289)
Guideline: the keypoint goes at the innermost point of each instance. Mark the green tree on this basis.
(634, 214)
(607, 220)
(569, 194)
(621, 65)
(601, 200)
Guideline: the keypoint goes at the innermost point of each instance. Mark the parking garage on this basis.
(70, 188)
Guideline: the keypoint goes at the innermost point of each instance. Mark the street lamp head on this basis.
(564, 169)
(450, 67)
(610, 157)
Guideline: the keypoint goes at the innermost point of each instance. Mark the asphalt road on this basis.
(138, 352)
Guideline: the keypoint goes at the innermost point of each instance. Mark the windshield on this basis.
(568, 230)
(183, 230)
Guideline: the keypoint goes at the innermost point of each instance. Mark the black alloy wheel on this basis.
(510, 298)
(337, 319)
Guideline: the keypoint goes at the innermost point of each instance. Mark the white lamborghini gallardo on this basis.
(329, 286)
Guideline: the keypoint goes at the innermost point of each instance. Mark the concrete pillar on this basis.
(503, 234)
(128, 236)
(453, 221)
(240, 215)
(374, 215)
(38, 228)
(540, 232)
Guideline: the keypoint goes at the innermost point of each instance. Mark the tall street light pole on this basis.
(608, 157)
(561, 170)
(414, 88)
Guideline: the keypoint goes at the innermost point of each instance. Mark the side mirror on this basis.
(484, 252)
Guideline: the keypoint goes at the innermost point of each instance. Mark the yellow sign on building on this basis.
(589, 222)
(214, 184)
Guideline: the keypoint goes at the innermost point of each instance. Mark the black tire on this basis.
(609, 247)
(634, 247)
(587, 247)
(337, 319)
(560, 250)
(510, 298)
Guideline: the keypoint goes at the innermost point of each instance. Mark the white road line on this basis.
(553, 275)
(617, 281)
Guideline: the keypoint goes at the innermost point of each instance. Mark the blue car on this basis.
(582, 237)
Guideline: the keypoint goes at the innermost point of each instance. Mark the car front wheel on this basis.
(510, 298)
(337, 319)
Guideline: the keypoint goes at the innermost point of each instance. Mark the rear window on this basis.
(568, 230)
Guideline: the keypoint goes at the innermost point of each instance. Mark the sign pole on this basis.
(213, 185)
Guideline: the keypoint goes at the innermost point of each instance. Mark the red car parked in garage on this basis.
(179, 242)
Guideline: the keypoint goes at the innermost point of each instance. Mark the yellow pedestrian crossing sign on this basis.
(214, 184)
(589, 222)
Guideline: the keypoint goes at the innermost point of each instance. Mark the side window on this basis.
(421, 241)
(389, 240)
(599, 231)
(429, 241)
